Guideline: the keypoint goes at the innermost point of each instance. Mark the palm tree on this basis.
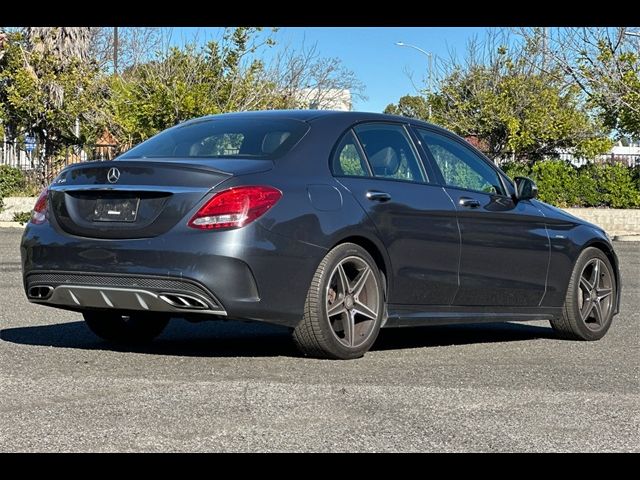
(66, 43)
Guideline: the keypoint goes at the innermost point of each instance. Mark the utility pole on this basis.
(115, 50)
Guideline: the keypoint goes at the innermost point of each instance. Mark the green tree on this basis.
(617, 95)
(46, 83)
(223, 76)
(510, 108)
(185, 83)
(603, 62)
(412, 106)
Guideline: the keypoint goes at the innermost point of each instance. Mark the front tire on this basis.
(126, 329)
(590, 301)
(344, 306)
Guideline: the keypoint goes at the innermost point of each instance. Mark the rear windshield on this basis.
(223, 138)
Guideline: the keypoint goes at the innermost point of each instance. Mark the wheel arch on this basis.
(376, 251)
(605, 248)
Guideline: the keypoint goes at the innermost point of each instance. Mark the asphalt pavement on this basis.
(234, 386)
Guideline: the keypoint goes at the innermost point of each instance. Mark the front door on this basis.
(505, 245)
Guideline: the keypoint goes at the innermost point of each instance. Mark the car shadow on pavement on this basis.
(245, 339)
(449, 335)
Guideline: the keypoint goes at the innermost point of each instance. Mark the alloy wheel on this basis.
(595, 294)
(352, 301)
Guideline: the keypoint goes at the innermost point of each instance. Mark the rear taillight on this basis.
(39, 214)
(235, 207)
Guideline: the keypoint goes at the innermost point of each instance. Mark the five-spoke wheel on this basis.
(344, 306)
(353, 298)
(595, 298)
(590, 299)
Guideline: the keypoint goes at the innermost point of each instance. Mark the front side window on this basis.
(223, 138)
(389, 151)
(460, 166)
(347, 160)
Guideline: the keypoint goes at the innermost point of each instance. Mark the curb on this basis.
(11, 225)
(626, 238)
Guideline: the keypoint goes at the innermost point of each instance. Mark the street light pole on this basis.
(430, 57)
(632, 34)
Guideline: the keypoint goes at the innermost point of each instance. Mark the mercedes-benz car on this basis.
(335, 224)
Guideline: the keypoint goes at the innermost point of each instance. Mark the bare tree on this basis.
(601, 61)
(305, 79)
(136, 45)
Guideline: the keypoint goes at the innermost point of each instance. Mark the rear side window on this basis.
(347, 160)
(389, 151)
(223, 138)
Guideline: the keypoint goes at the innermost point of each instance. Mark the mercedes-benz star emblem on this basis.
(113, 175)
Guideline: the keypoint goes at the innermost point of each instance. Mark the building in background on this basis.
(324, 99)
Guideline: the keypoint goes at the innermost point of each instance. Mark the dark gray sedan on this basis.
(332, 223)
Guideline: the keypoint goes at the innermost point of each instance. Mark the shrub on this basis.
(516, 169)
(12, 181)
(588, 190)
(635, 173)
(22, 217)
(557, 182)
(617, 187)
(593, 185)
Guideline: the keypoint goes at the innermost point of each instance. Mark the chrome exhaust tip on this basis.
(40, 292)
(178, 300)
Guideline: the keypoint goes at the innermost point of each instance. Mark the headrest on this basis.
(385, 162)
(196, 150)
(273, 140)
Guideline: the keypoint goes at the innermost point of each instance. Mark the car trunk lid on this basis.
(137, 198)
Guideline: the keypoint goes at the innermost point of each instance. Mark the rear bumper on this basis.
(82, 291)
(248, 273)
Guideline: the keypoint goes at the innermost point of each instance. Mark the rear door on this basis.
(505, 246)
(415, 219)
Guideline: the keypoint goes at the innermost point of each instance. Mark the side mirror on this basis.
(525, 188)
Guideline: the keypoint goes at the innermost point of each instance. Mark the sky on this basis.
(371, 52)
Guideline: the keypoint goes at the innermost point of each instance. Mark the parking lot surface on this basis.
(233, 386)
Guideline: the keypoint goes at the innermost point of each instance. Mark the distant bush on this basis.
(12, 181)
(592, 185)
(22, 217)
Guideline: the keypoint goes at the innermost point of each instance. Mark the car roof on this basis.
(311, 115)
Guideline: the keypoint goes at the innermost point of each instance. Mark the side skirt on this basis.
(405, 316)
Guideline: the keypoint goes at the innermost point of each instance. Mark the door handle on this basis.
(468, 202)
(378, 196)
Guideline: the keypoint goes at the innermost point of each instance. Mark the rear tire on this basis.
(132, 328)
(590, 299)
(344, 307)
